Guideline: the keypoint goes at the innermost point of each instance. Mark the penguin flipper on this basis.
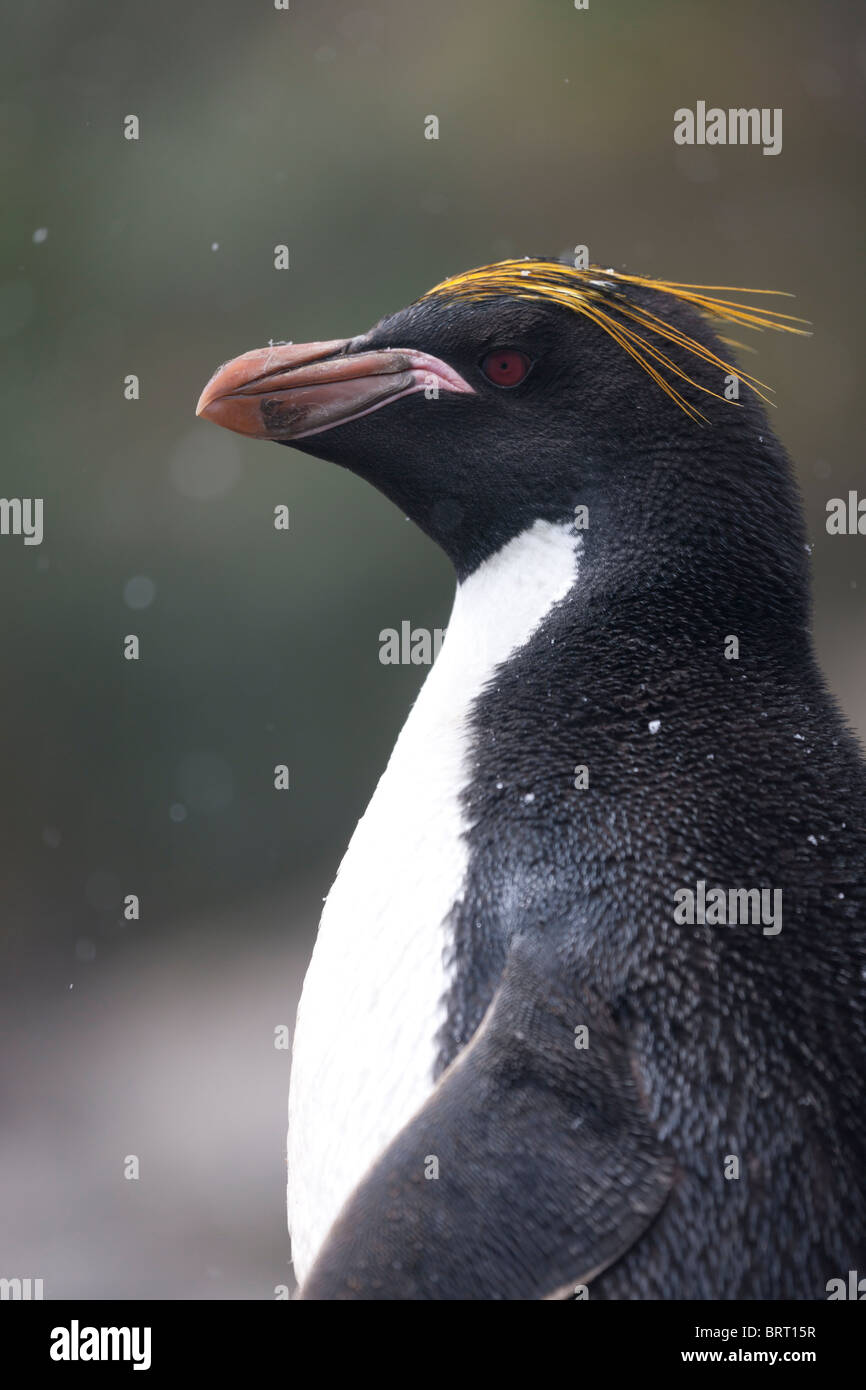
(548, 1169)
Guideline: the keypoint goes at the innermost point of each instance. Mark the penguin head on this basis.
(522, 392)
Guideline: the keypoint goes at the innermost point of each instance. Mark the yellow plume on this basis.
(594, 292)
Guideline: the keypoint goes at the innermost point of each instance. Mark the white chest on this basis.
(373, 998)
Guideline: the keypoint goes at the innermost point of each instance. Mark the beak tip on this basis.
(203, 403)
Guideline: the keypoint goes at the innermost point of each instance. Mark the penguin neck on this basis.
(501, 604)
(687, 570)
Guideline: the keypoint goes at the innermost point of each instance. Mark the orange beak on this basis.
(294, 390)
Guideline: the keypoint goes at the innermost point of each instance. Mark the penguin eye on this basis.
(505, 366)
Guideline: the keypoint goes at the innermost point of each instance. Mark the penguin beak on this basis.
(294, 390)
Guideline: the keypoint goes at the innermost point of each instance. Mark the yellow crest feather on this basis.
(594, 292)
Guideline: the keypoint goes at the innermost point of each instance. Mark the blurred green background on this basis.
(155, 257)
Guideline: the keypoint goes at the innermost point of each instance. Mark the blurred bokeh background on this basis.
(155, 257)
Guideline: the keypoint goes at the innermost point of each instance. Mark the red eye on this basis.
(506, 366)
